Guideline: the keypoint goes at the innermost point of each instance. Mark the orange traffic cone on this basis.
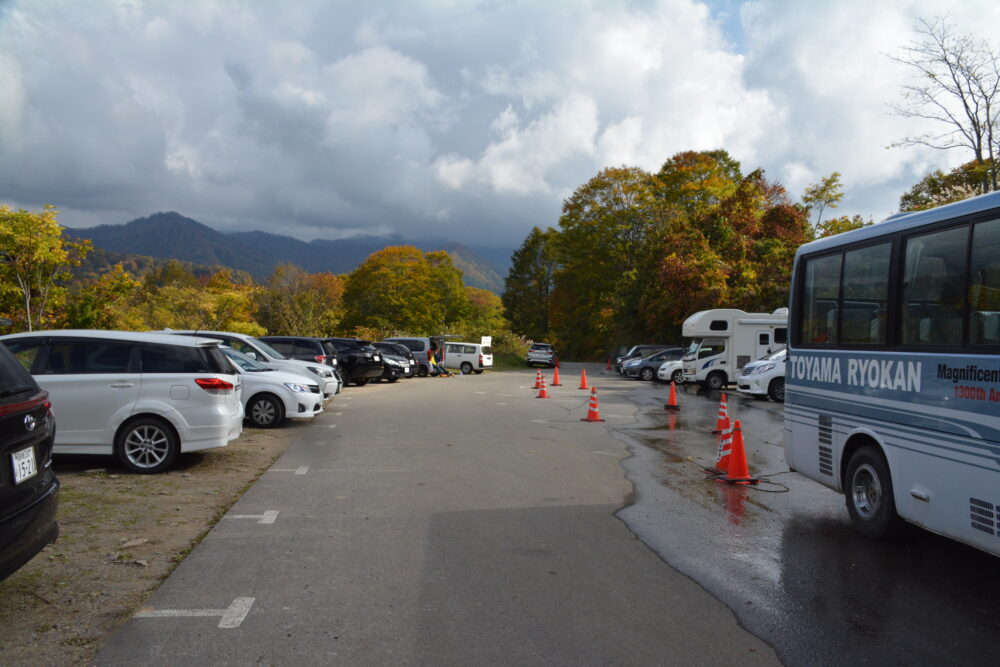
(722, 456)
(583, 379)
(592, 414)
(739, 472)
(555, 376)
(672, 399)
(722, 421)
(542, 391)
(608, 367)
(538, 379)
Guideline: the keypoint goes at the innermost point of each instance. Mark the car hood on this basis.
(280, 377)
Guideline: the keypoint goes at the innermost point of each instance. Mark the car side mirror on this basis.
(251, 354)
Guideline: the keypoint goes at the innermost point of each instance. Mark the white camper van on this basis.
(725, 339)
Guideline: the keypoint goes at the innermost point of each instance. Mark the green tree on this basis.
(841, 225)
(35, 262)
(529, 284)
(447, 289)
(107, 303)
(825, 194)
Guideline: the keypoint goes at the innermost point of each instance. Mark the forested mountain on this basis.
(174, 236)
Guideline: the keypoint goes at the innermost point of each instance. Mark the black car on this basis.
(29, 490)
(360, 362)
(400, 350)
(304, 348)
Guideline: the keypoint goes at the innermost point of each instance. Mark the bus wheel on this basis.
(869, 495)
(714, 381)
(776, 390)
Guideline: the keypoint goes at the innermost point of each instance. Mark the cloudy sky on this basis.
(466, 120)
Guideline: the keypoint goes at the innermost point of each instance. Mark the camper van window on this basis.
(719, 325)
(764, 339)
(711, 347)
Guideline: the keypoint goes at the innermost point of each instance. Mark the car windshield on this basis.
(775, 356)
(243, 361)
(693, 347)
(267, 349)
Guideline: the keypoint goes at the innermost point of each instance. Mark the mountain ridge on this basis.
(170, 235)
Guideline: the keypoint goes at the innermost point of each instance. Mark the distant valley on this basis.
(174, 236)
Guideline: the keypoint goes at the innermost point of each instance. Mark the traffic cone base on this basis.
(672, 399)
(592, 414)
(739, 471)
(583, 379)
(542, 391)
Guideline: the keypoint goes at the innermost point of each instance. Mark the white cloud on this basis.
(450, 118)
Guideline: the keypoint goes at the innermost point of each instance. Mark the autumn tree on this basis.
(110, 302)
(939, 188)
(393, 289)
(35, 263)
(529, 284)
(299, 303)
(842, 224)
(958, 89)
(485, 316)
(447, 289)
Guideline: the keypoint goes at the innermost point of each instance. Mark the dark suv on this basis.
(638, 351)
(28, 487)
(360, 362)
(305, 348)
(403, 352)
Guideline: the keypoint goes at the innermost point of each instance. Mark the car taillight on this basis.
(214, 385)
(38, 400)
(320, 358)
(480, 360)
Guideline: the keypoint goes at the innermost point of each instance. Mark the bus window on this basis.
(933, 288)
(819, 300)
(984, 292)
(865, 294)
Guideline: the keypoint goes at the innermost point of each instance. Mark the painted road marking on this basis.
(230, 618)
(332, 426)
(301, 470)
(270, 516)
(499, 404)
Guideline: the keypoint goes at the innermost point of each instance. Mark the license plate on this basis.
(24, 464)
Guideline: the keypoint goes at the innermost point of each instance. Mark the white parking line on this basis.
(270, 516)
(230, 618)
(302, 470)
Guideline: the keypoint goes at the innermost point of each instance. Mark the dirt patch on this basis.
(121, 534)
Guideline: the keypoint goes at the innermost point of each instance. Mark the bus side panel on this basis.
(937, 416)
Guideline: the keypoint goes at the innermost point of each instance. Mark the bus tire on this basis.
(868, 491)
(715, 380)
(776, 390)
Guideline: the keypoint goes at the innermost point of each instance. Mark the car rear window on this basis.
(14, 379)
(85, 357)
(487, 349)
(179, 359)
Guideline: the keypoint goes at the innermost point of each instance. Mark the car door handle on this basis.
(122, 385)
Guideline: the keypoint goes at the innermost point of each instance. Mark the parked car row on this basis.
(147, 397)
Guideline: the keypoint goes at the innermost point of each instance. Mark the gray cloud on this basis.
(444, 120)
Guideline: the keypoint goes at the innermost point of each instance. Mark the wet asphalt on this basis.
(783, 555)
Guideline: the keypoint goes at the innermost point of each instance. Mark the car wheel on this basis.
(394, 378)
(466, 368)
(147, 445)
(360, 382)
(266, 411)
(776, 390)
(647, 374)
(869, 495)
(677, 377)
(714, 381)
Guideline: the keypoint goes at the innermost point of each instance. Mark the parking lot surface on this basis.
(439, 521)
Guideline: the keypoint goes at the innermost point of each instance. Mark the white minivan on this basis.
(468, 357)
(143, 397)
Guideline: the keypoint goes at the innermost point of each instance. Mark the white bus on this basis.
(892, 393)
